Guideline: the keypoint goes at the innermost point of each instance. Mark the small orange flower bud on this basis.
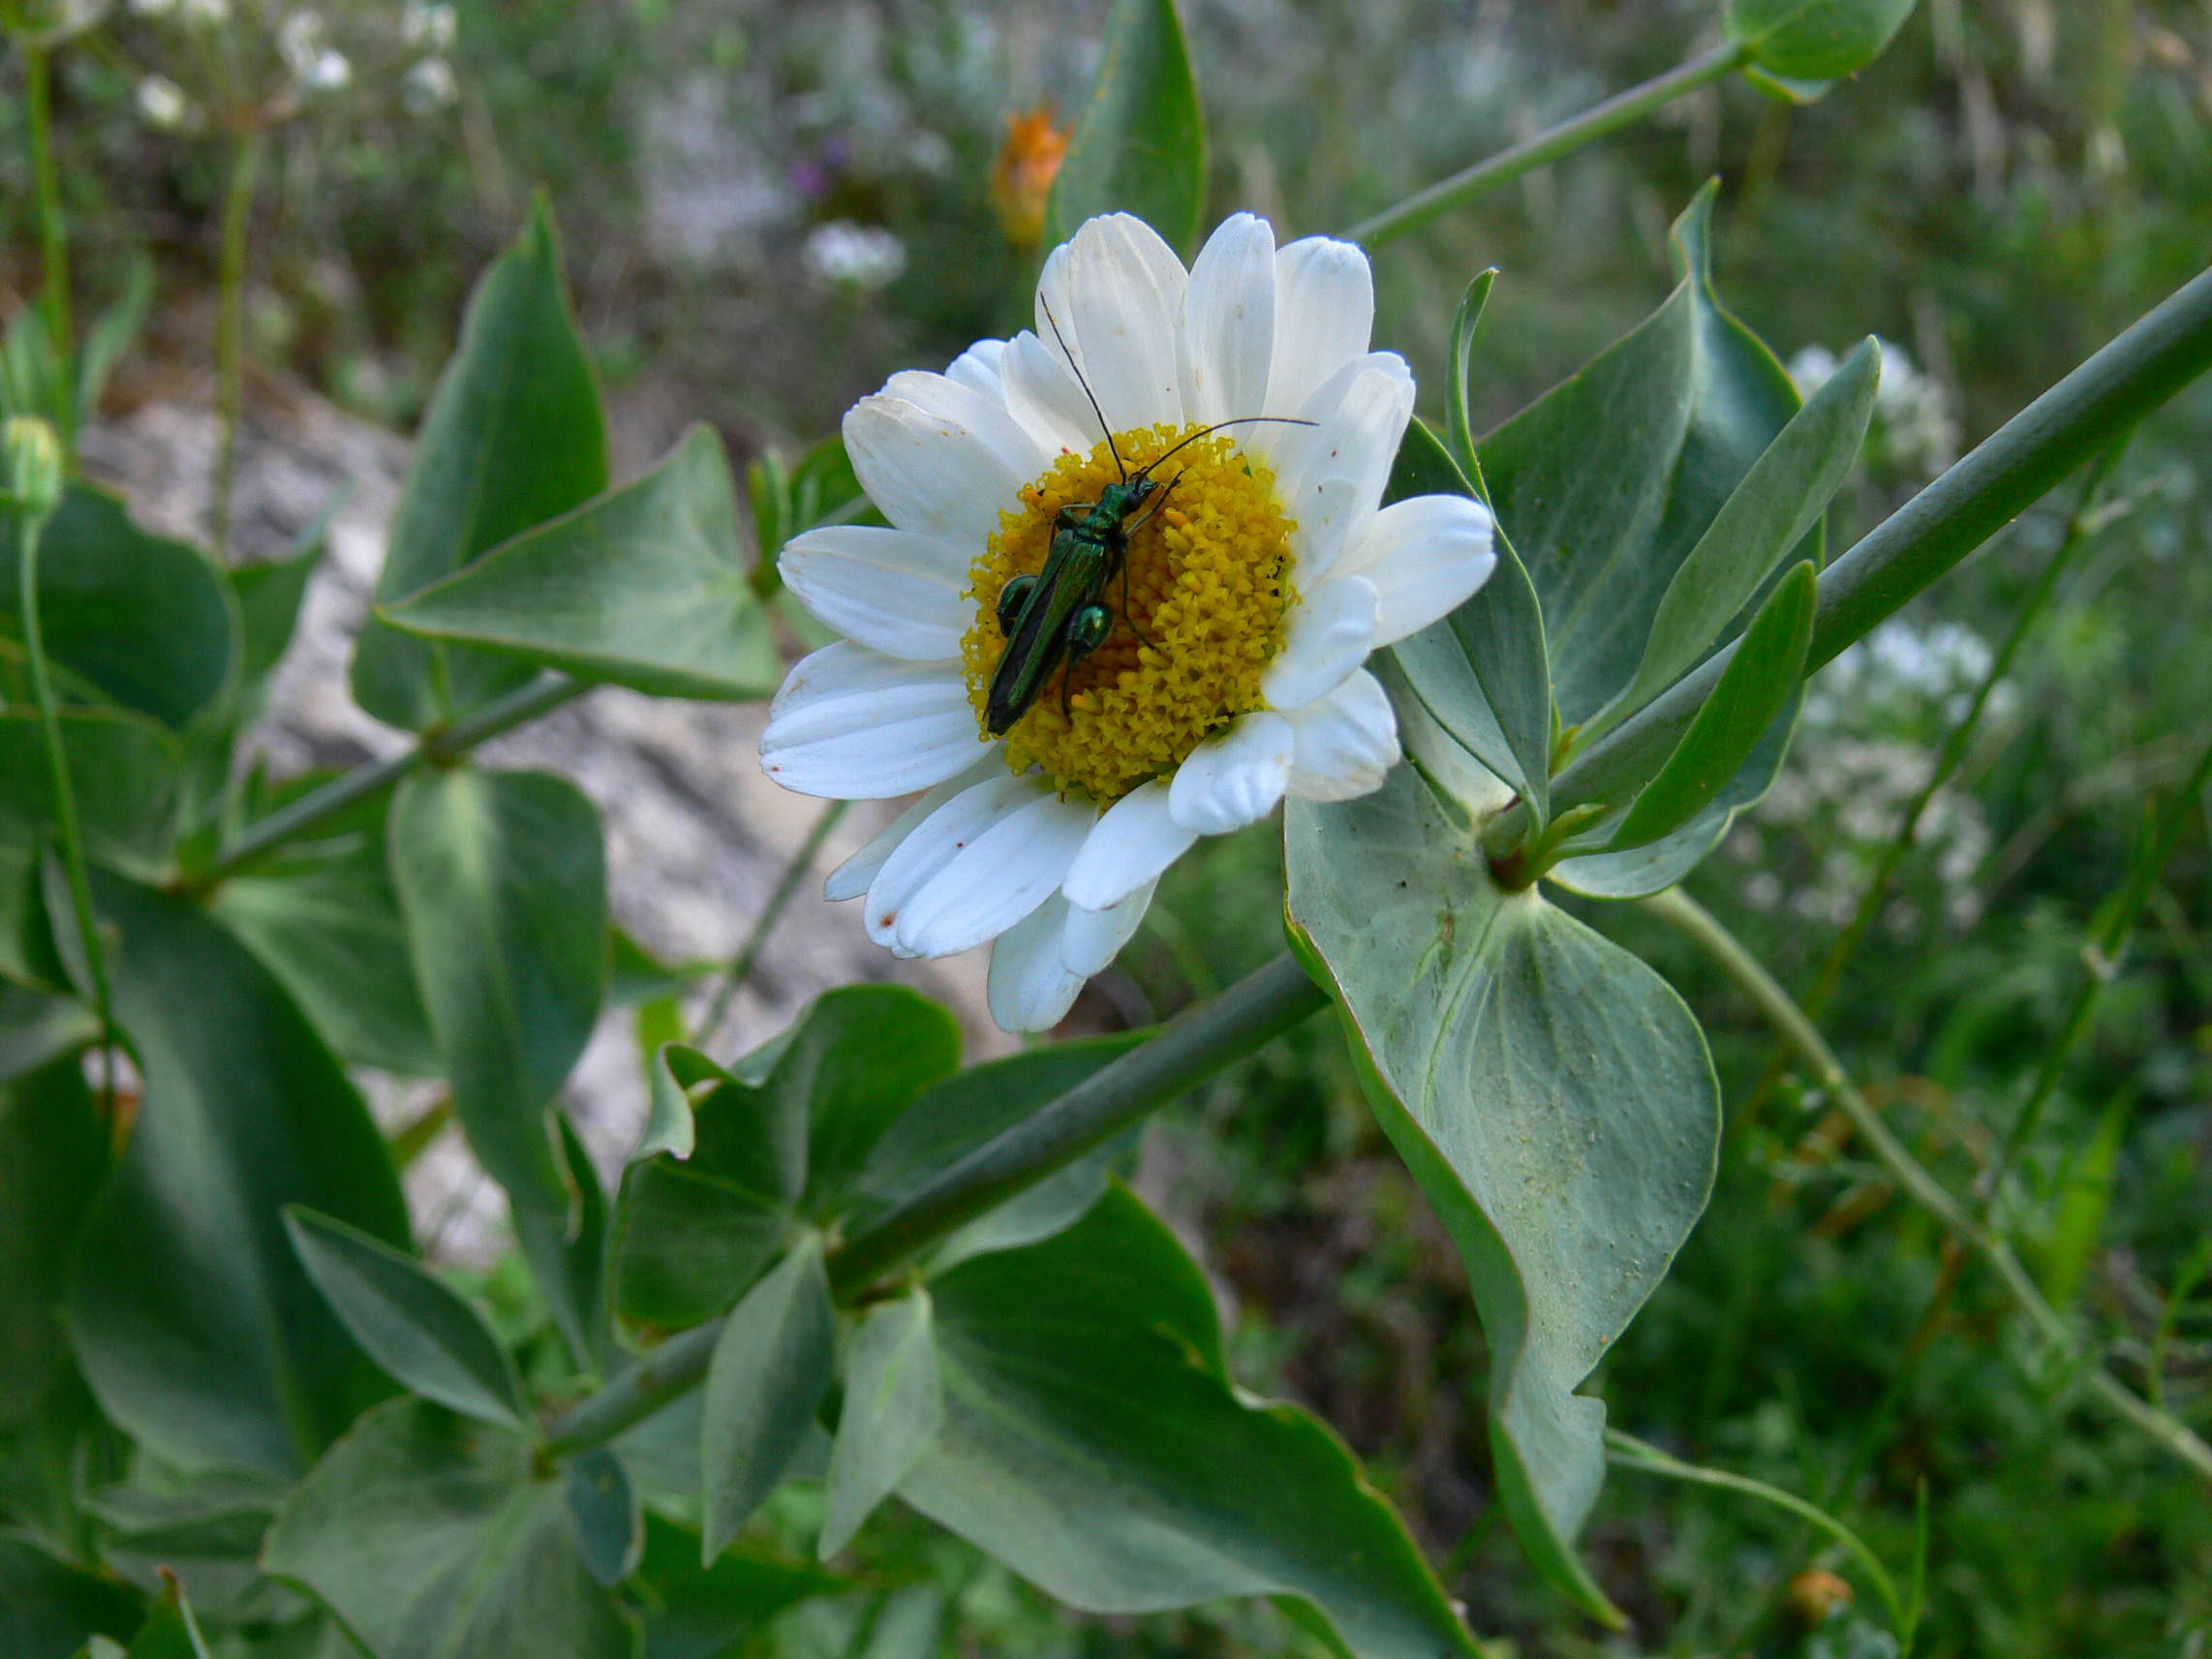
(1020, 179)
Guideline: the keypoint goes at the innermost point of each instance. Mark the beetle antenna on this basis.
(1209, 431)
(1121, 465)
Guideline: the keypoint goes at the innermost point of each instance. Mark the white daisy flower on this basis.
(1261, 569)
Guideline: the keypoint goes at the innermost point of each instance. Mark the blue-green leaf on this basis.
(645, 587)
(170, 1632)
(1550, 1092)
(1093, 1442)
(123, 769)
(894, 1402)
(770, 1367)
(47, 1607)
(193, 1322)
(1139, 144)
(1458, 424)
(436, 1537)
(1760, 680)
(140, 620)
(1779, 501)
(610, 1521)
(514, 437)
(52, 1155)
(1606, 482)
(503, 880)
(407, 1320)
(1814, 40)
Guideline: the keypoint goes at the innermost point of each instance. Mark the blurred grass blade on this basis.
(1140, 144)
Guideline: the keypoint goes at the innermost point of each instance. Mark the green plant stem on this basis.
(53, 227)
(1726, 952)
(1548, 146)
(433, 748)
(1949, 759)
(1187, 1049)
(2101, 954)
(230, 326)
(1629, 1453)
(2002, 478)
(748, 957)
(31, 528)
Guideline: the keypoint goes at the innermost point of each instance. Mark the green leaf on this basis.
(568, 1257)
(1481, 671)
(37, 1029)
(704, 1612)
(1459, 425)
(1779, 501)
(1093, 1442)
(124, 769)
(610, 1521)
(892, 1404)
(770, 1367)
(956, 1115)
(435, 1537)
(502, 878)
(1550, 1092)
(514, 437)
(206, 1530)
(1606, 482)
(646, 586)
(52, 1155)
(407, 1320)
(48, 1608)
(142, 620)
(858, 1057)
(1759, 682)
(269, 598)
(1814, 40)
(1640, 870)
(1139, 145)
(170, 1632)
(325, 919)
(194, 1321)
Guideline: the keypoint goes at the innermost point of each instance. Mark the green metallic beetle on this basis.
(1053, 620)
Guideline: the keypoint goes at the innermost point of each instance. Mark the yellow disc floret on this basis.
(1208, 589)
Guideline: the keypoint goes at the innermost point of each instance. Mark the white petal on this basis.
(1128, 847)
(930, 472)
(979, 367)
(997, 879)
(901, 593)
(854, 877)
(1331, 475)
(1233, 778)
(1124, 296)
(1329, 635)
(1324, 310)
(1344, 744)
(1093, 938)
(940, 837)
(1424, 556)
(1029, 988)
(984, 414)
(857, 725)
(1228, 323)
(1041, 394)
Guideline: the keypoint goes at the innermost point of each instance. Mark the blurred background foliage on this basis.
(769, 206)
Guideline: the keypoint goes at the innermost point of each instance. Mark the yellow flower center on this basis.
(1198, 621)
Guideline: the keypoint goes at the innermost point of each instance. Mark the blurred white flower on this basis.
(162, 103)
(1915, 432)
(299, 41)
(1811, 368)
(427, 29)
(864, 256)
(428, 85)
(152, 8)
(329, 73)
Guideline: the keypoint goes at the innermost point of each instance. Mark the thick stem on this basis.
(320, 806)
(31, 527)
(2002, 476)
(1727, 953)
(1189, 1049)
(230, 326)
(1568, 137)
(53, 227)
